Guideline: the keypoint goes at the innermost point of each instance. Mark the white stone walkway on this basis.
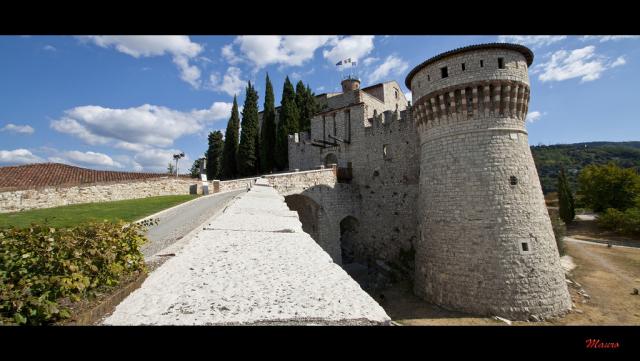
(252, 265)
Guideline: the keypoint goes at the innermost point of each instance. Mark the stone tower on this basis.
(485, 242)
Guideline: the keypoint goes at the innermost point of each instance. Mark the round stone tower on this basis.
(350, 84)
(486, 245)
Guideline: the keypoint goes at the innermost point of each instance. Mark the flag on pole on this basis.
(339, 63)
(354, 63)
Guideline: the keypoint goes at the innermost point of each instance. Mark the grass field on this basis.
(66, 216)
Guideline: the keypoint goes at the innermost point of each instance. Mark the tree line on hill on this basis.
(259, 149)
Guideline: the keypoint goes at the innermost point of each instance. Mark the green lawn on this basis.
(65, 216)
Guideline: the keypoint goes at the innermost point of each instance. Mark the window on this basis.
(482, 63)
(396, 93)
(500, 63)
(525, 246)
(513, 180)
(428, 77)
(385, 151)
(335, 128)
(347, 116)
(324, 128)
(444, 72)
(463, 67)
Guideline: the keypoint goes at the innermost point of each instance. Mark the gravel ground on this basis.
(179, 221)
(251, 265)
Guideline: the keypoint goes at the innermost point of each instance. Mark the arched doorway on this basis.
(330, 158)
(349, 228)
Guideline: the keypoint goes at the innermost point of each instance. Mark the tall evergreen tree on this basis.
(247, 150)
(214, 155)
(288, 122)
(230, 153)
(565, 198)
(268, 130)
(308, 108)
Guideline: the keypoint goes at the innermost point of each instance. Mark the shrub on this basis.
(41, 265)
(627, 222)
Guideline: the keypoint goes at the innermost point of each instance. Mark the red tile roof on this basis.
(39, 175)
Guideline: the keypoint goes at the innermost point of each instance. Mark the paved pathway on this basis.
(251, 265)
(179, 221)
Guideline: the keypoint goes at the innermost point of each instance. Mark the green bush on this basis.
(627, 222)
(608, 186)
(41, 266)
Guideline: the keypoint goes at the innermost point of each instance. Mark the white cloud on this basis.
(21, 129)
(264, 50)
(619, 61)
(370, 60)
(391, 65)
(581, 63)
(408, 96)
(89, 158)
(179, 46)
(354, 47)
(533, 116)
(531, 40)
(49, 48)
(157, 159)
(18, 156)
(603, 38)
(136, 128)
(231, 82)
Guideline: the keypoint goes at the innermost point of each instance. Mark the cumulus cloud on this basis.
(392, 66)
(136, 128)
(370, 60)
(581, 63)
(87, 158)
(18, 156)
(21, 129)
(157, 159)
(49, 48)
(264, 50)
(533, 116)
(534, 41)
(179, 46)
(230, 83)
(354, 47)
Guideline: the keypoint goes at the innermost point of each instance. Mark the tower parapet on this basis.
(486, 244)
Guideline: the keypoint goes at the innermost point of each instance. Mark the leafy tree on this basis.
(565, 198)
(609, 186)
(171, 169)
(268, 130)
(288, 124)
(214, 155)
(230, 152)
(247, 150)
(195, 168)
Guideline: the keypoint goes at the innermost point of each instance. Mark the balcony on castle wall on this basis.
(344, 174)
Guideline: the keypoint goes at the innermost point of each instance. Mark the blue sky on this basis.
(130, 102)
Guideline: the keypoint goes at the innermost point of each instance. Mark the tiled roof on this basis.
(39, 175)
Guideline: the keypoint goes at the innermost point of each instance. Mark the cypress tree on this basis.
(230, 153)
(287, 124)
(565, 198)
(308, 110)
(268, 130)
(214, 155)
(247, 150)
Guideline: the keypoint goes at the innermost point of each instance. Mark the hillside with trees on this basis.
(573, 158)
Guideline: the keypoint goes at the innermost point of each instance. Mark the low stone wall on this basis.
(297, 182)
(234, 184)
(22, 200)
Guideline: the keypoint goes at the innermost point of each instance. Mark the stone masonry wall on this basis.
(22, 200)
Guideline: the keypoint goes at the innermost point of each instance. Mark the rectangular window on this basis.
(428, 77)
(482, 63)
(463, 67)
(335, 128)
(444, 72)
(324, 128)
(347, 116)
(500, 63)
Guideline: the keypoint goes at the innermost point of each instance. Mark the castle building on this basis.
(445, 187)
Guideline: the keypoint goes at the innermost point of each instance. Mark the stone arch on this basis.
(309, 213)
(330, 158)
(349, 228)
